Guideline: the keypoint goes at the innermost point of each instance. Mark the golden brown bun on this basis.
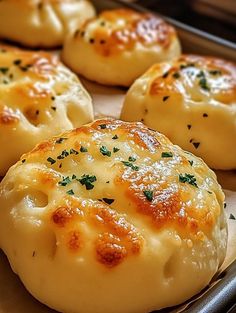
(41, 23)
(193, 102)
(94, 218)
(119, 45)
(39, 97)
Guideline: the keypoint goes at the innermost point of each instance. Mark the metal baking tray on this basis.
(221, 298)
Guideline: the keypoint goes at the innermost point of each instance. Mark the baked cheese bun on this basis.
(193, 102)
(92, 219)
(119, 45)
(39, 97)
(41, 23)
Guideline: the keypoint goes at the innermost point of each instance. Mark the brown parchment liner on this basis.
(108, 102)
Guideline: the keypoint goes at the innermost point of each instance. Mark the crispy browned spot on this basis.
(144, 28)
(110, 252)
(120, 240)
(168, 85)
(62, 216)
(136, 132)
(47, 178)
(42, 147)
(8, 116)
(74, 241)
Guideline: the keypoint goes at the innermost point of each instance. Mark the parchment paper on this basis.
(107, 102)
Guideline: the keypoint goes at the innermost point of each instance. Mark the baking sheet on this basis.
(108, 102)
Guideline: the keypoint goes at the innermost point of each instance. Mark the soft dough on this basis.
(112, 218)
(39, 97)
(193, 102)
(41, 23)
(119, 45)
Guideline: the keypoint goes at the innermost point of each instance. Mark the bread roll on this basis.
(193, 102)
(112, 218)
(39, 97)
(119, 45)
(41, 23)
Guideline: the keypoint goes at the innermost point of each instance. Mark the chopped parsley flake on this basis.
(131, 165)
(17, 62)
(70, 192)
(196, 144)
(4, 70)
(215, 72)
(108, 201)
(190, 162)
(87, 181)
(115, 137)
(232, 217)
(188, 178)
(23, 161)
(148, 194)
(203, 81)
(51, 160)
(104, 151)
(115, 149)
(167, 155)
(103, 126)
(132, 159)
(65, 181)
(63, 155)
(83, 149)
(73, 151)
(165, 98)
(60, 140)
(176, 75)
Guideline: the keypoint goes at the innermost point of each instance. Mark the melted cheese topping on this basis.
(42, 23)
(137, 169)
(199, 93)
(120, 30)
(196, 79)
(103, 204)
(119, 45)
(37, 94)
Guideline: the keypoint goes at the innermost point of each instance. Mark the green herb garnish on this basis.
(108, 201)
(70, 192)
(167, 155)
(104, 151)
(232, 217)
(131, 165)
(4, 70)
(51, 160)
(215, 72)
(73, 151)
(65, 181)
(188, 178)
(83, 149)
(103, 126)
(148, 194)
(132, 159)
(60, 140)
(176, 75)
(116, 149)
(115, 137)
(87, 180)
(165, 98)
